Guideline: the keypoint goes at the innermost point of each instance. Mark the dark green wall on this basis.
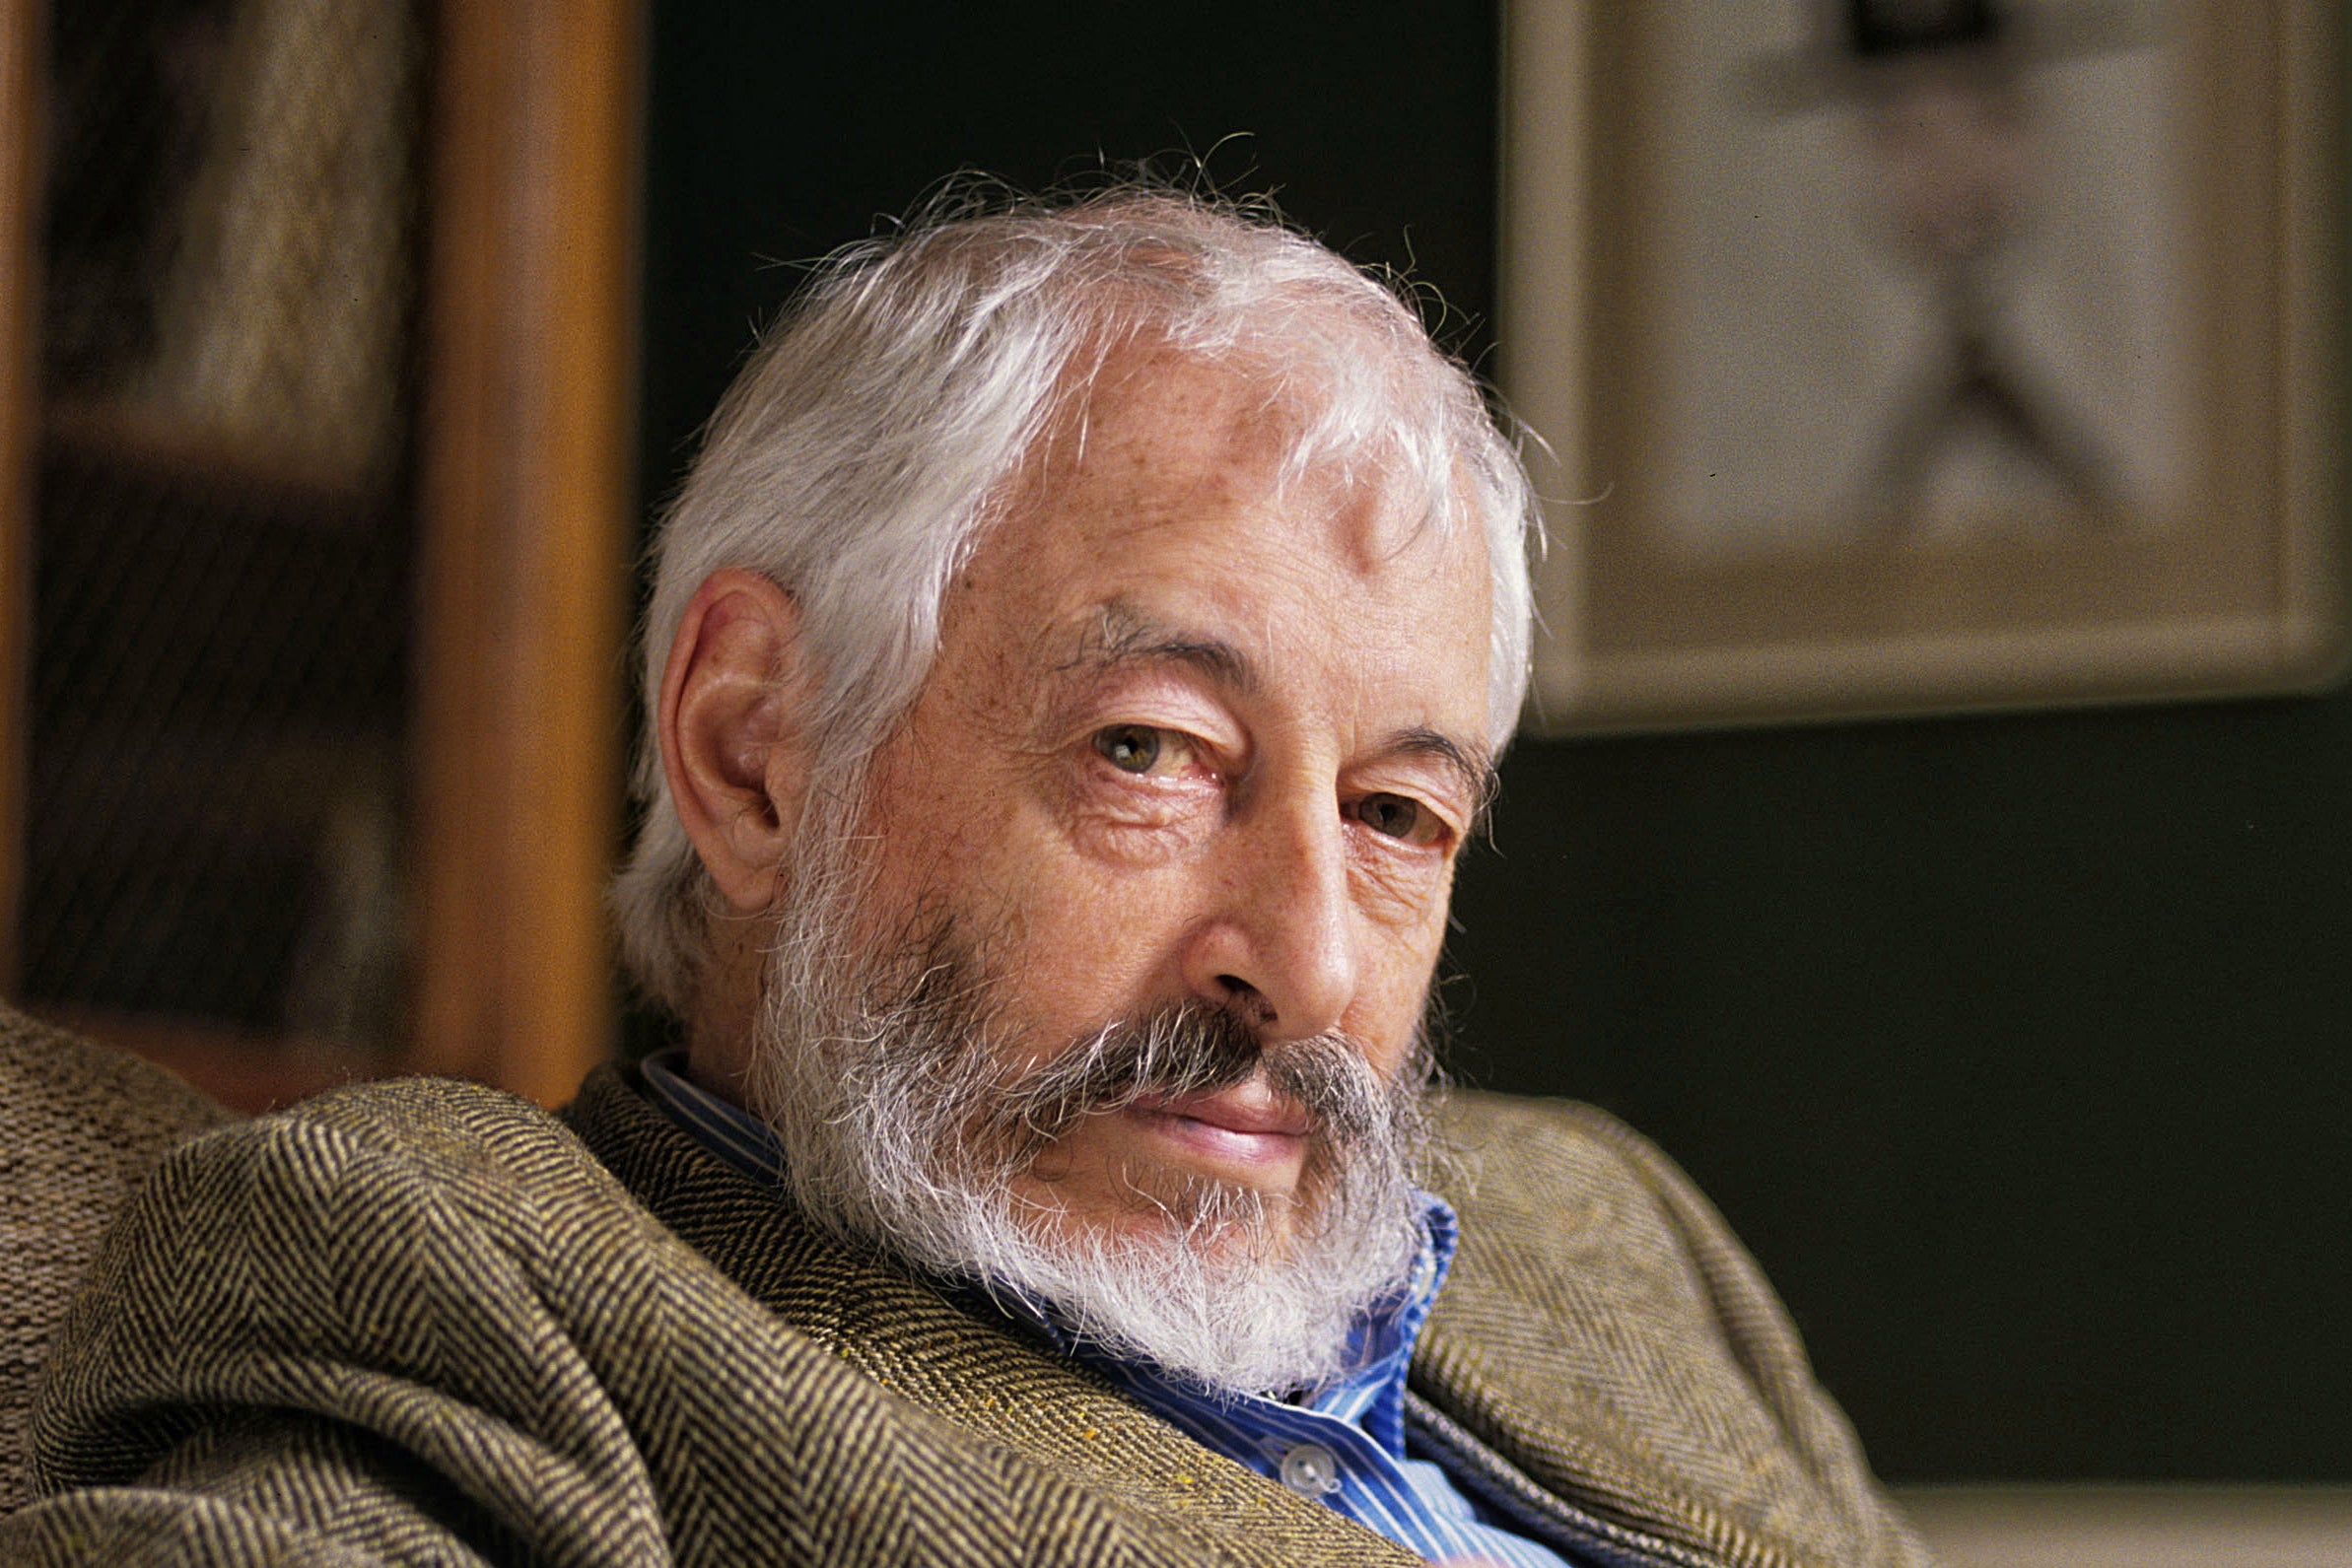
(781, 131)
(2017, 1047)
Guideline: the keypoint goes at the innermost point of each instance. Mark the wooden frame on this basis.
(527, 487)
(1804, 463)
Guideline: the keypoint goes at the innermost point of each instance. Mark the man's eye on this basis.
(1130, 748)
(1399, 817)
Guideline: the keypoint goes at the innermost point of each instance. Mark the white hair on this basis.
(860, 454)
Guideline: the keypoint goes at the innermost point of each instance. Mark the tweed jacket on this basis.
(428, 1323)
(79, 1128)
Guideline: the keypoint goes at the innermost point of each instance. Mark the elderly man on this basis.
(1076, 661)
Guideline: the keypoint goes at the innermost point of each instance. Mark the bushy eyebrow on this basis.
(1121, 636)
(1473, 764)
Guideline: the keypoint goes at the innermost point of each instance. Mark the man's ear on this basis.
(733, 727)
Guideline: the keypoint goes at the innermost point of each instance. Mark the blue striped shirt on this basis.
(1346, 1447)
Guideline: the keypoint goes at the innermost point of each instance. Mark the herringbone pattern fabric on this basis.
(423, 1323)
(79, 1127)
(1608, 1338)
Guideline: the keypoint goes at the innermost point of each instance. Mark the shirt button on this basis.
(1310, 1470)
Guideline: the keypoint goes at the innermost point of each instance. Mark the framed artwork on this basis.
(1905, 355)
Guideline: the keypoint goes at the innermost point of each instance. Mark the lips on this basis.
(1247, 1124)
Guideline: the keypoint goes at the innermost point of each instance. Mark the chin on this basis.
(1232, 1288)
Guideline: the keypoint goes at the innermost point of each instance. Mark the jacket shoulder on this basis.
(425, 1317)
(1570, 1187)
(1606, 1332)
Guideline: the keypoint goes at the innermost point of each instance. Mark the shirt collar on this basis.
(724, 1127)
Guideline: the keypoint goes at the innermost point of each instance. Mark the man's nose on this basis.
(1277, 940)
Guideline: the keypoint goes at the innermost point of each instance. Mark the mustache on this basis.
(1185, 1051)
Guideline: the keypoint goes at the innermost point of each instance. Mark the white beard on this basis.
(884, 1080)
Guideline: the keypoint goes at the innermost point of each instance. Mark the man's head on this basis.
(1088, 633)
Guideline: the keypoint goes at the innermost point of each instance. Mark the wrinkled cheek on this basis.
(1066, 1185)
(1050, 1166)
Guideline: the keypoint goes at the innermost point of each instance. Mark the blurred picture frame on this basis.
(1915, 356)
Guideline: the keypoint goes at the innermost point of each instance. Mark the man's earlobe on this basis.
(734, 742)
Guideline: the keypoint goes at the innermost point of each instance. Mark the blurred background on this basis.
(351, 345)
